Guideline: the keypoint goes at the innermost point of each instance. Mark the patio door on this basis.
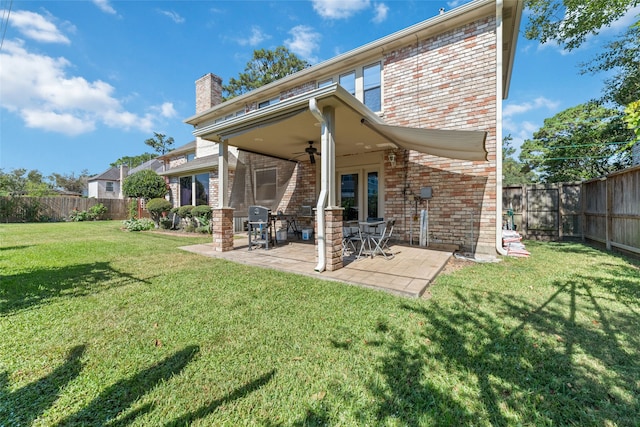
(360, 194)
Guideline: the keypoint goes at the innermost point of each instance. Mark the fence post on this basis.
(608, 218)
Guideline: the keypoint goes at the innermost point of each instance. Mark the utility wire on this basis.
(5, 20)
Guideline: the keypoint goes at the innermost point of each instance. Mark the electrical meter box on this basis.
(425, 193)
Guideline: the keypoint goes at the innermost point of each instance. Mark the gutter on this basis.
(324, 186)
(499, 59)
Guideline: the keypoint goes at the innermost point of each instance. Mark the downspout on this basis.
(499, 94)
(322, 199)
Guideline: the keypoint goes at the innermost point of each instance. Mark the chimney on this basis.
(124, 172)
(208, 92)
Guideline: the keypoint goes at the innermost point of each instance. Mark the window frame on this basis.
(257, 179)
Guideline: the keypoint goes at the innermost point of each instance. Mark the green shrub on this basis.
(185, 211)
(97, 211)
(201, 211)
(142, 224)
(157, 208)
(133, 209)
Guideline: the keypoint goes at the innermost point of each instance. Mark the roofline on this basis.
(434, 25)
(290, 105)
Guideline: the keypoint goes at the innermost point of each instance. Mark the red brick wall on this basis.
(445, 82)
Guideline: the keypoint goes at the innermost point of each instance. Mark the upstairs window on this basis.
(109, 186)
(325, 83)
(348, 82)
(269, 102)
(190, 157)
(372, 87)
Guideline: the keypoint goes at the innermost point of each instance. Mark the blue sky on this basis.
(83, 83)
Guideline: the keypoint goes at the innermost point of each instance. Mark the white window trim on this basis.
(359, 80)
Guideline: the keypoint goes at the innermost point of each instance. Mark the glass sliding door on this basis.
(373, 195)
(360, 194)
(349, 196)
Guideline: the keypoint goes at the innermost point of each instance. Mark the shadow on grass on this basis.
(26, 404)
(544, 364)
(117, 398)
(236, 394)
(39, 286)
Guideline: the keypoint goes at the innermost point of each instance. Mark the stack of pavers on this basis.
(512, 243)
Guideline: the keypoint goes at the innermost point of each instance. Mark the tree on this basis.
(569, 22)
(70, 182)
(513, 171)
(160, 144)
(133, 161)
(622, 56)
(582, 142)
(144, 184)
(265, 67)
(15, 183)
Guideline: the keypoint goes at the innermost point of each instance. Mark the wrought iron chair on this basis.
(381, 240)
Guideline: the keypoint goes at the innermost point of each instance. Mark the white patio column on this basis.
(223, 174)
(327, 170)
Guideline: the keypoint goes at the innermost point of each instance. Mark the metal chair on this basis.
(381, 240)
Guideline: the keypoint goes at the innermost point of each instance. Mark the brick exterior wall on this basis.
(445, 82)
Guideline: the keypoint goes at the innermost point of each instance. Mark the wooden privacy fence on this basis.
(605, 210)
(28, 209)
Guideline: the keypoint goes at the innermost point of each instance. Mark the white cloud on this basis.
(64, 123)
(381, 10)
(38, 89)
(624, 22)
(166, 110)
(256, 37)
(175, 17)
(339, 9)
(540, 102)
(455, 3)
(304, 43)
(36, 27)
(105, 6)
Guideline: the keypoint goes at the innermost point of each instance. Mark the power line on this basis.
(5, 20)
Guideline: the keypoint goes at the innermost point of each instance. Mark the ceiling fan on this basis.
(311, 151)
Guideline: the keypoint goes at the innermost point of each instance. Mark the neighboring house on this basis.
(405, 123)
(108, 184)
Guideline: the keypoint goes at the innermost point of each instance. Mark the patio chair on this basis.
(381, 240)
(350, 239)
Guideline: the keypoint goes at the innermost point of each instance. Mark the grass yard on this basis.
(104, 327)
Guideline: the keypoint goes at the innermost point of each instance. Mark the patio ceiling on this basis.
(284, 130)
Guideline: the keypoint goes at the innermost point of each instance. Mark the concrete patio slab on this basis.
(409, 272)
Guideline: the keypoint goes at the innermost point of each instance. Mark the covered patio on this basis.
(409, 273)
(345, 129)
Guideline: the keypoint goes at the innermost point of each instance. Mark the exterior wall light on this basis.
(392, 159)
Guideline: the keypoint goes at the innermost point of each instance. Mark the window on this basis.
(269, 102)
(325, 83)
(202, 189)
(265, 186)
(348, 82)
(185, 190)
(190, 157)
(194, 190)
(109, 186)
(372, 87)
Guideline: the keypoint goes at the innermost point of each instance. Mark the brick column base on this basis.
(222, 229)
(333, 236)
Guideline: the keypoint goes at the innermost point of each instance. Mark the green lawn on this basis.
(104, 327)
